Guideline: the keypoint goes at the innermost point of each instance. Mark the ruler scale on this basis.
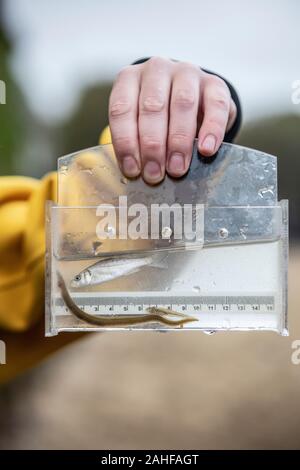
(184, 303)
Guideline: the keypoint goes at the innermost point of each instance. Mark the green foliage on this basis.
(90, 118)
(13, 114)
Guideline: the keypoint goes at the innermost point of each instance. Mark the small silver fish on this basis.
(108, 269)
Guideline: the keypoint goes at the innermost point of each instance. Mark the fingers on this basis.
(154, 111)
(183, 118)
(216, 102)
(123, 112)
(153, 118)
(232, 115)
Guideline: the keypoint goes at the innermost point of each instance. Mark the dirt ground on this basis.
(145, 390)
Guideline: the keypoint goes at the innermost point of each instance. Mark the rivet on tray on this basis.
(166, 232)
(223, 233)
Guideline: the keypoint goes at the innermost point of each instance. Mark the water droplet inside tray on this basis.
(223, 233)
(209, 332)
(111, 231)
(267, 191)
(243, 231)
(196, 289)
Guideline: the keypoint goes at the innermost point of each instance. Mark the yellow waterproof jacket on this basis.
(22, 248)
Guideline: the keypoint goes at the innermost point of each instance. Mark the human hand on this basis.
(156, 110)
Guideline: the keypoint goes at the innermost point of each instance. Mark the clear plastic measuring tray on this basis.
(230, 273)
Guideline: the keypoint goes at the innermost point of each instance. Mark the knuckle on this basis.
(221, 102)
(215, 80)
(188, 67)
(119, 108)
(158, 62)
(123, 143)
(180, 139)
(219, 96)
(184, 99)
(124, 72)
(153, 104)
(151, 144)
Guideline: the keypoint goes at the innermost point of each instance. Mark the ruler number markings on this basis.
(184, 303)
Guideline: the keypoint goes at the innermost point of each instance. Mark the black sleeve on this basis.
(231, 134)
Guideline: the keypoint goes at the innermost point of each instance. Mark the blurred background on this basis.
(58, 60)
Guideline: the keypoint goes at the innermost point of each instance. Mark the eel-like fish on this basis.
(118, 320)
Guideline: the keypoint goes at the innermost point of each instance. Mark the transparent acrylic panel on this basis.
(239, 286)
(237, 176)
(232, 277)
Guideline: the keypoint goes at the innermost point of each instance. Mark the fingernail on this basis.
(130, 166)
(176, 163)
(152, 172)
(209, 144)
